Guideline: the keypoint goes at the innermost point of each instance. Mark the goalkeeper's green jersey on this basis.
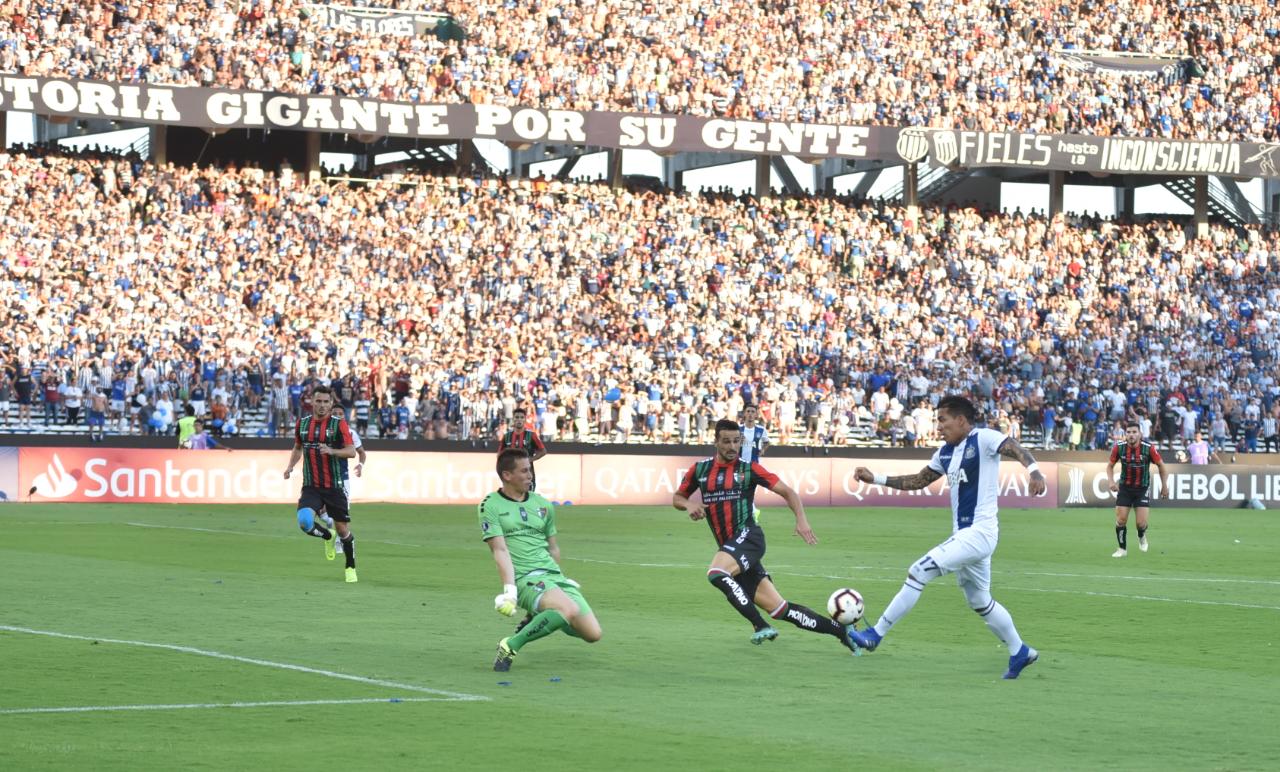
(526, 525)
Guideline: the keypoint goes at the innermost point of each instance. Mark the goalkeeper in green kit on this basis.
(520, 528)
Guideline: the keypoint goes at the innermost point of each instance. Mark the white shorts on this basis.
(117, 405)
(967, 554)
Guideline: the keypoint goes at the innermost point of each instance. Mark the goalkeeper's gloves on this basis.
(505, 604)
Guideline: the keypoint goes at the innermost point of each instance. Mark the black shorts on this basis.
(1133, 497)
(747, 548)
(334, 501)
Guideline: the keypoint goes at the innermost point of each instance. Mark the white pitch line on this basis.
(636, 565)
(204, 705)
(250, 661)
(1147, 597)
(251, 533)
(1010, 573)
(208, 530)
(1148, 578)
(1108, 577)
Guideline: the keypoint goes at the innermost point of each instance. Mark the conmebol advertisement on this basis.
(1224, 485)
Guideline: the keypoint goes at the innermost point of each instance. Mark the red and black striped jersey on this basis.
(1135, 463)
(319, 470)
(525, 439)
(728, 492)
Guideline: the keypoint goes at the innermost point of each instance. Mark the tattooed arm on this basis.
(906, 482)
(1011, 449)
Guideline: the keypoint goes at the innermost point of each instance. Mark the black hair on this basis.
(958, 405)
(726, 425)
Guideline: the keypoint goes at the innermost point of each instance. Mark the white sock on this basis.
(1001, 623)
(899, 606)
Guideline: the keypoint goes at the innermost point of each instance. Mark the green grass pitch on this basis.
(265, 659)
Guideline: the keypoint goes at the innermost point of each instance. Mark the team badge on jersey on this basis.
(970, 452)
(484, 525)
(542, 512)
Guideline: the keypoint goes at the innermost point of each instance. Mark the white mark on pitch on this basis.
(249, 661)
(251, 533)
(835, 577)
(207, 705)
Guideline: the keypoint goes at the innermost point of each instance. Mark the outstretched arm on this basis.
(797, 508)
(1011, 449)
(907, 482)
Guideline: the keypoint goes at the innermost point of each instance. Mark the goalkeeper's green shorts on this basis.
(531, 588)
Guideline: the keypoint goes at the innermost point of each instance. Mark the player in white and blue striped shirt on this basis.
(970, 460)
(754, 440)
(754, 436)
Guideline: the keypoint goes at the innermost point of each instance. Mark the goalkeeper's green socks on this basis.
(541, 626)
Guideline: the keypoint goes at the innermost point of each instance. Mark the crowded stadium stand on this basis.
(1132, 68)
(217, 265)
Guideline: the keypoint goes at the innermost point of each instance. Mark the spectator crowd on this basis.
(974, 64)
(436, 304)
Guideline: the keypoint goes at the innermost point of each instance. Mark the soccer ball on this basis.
(845, 606)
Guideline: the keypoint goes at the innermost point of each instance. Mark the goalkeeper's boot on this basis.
(1025, 656)
(329, 552)
(763, 634)
(524, 622)
(502, 663)
(867, 639)
(351, 576)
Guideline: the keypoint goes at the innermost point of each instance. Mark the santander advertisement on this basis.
(132, 475)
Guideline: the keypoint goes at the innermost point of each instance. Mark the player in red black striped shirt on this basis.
(523, 438)
(1135, 456)
(726, 485)
(322, 441)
